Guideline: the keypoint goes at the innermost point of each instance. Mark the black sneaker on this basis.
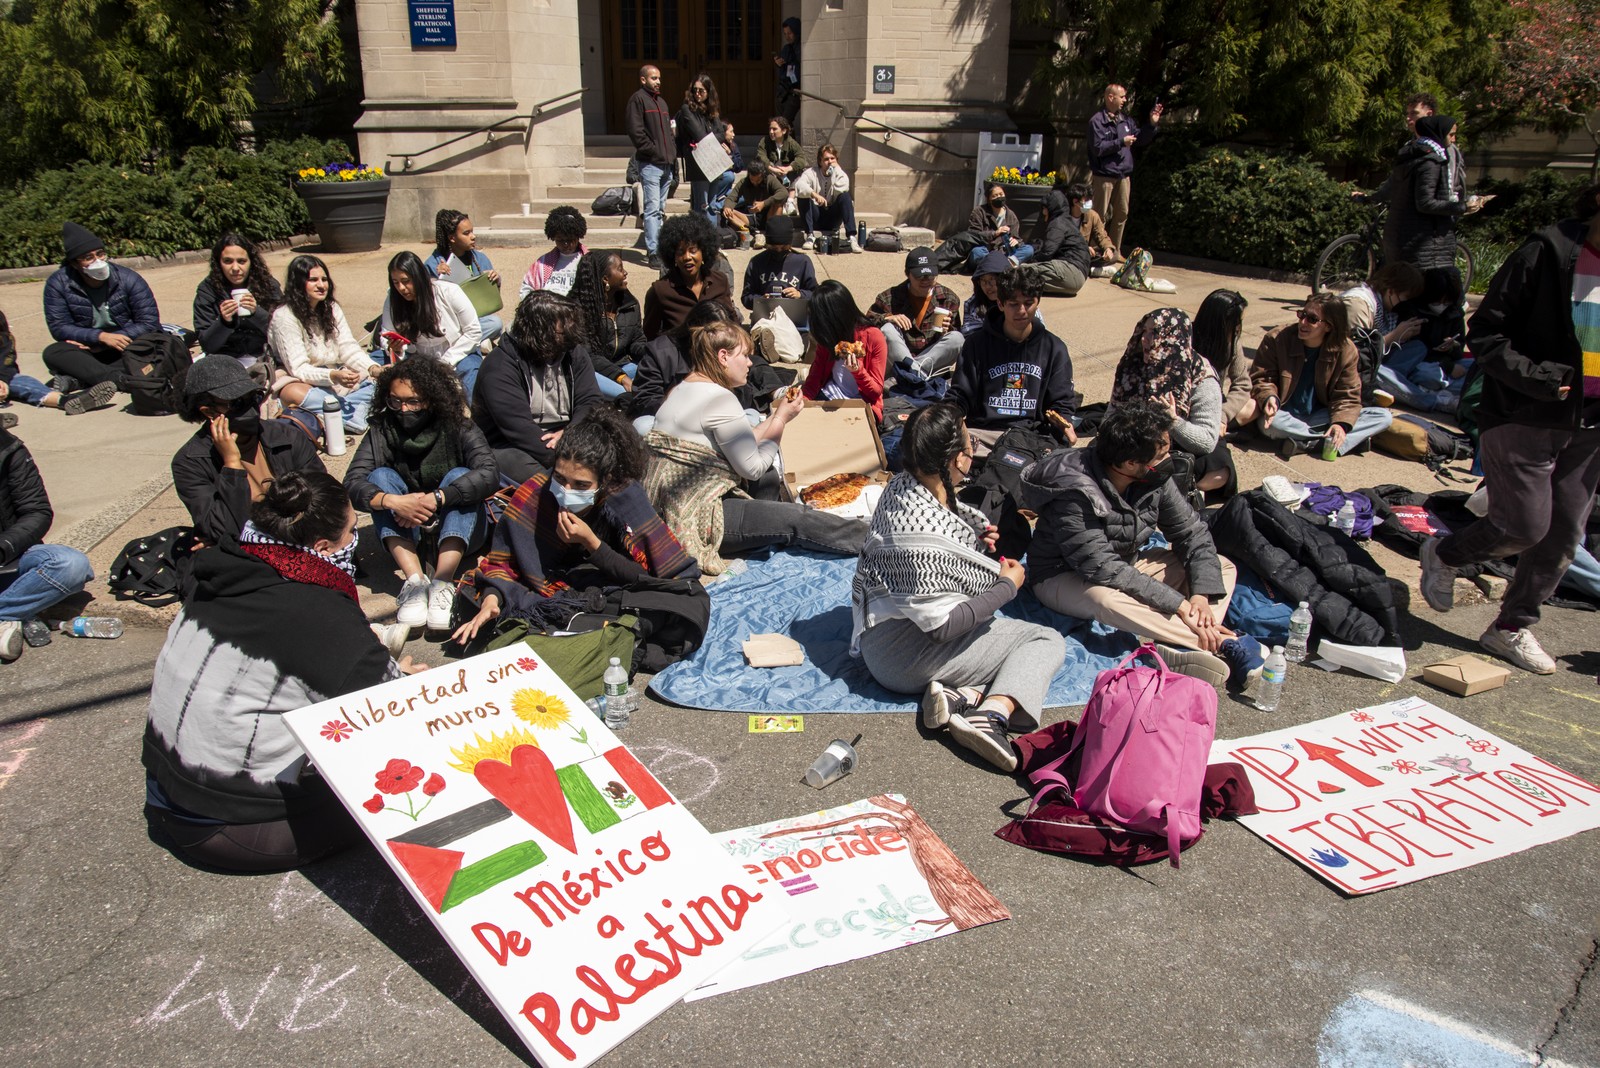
(653, 262)
(984, 733)
(939, 704)
(99, 395)
(65, 384)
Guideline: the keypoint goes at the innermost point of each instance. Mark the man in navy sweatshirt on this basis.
(778, 270)
(1014, 372)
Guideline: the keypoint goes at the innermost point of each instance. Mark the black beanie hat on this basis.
(78, 241)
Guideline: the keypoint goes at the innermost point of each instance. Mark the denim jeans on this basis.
(465, 523)
(938, 358)
(1584, 574)
(467, 371)
(1413, 378)
(750, 525)
(29, 390)
(707, 197)
(1286, 425)
(614, 389)
(656, 180)
(45, 575)
(1022, 253)
(354, 405)
(841, 209)
(491, 326)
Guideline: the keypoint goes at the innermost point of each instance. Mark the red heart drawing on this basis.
(530, 789)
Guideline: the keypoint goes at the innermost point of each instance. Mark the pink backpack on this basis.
(1145, 738)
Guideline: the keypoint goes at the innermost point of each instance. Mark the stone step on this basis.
(517, 231)
(534, 220)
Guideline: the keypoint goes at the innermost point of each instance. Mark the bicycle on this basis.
(1350, 259)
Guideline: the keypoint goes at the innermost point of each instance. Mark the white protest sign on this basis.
(860, 879)
(1388, 795)
(583, 898)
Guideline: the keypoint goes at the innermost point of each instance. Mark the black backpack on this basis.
(150, 569)
(996, 490)
(154, 367)
(1369, 357)
(618, 200)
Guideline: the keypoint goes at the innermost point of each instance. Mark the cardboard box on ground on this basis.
(831, 438)
(1465, 675)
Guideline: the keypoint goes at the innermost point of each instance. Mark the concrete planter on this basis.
(1028, 202)
(348, 215)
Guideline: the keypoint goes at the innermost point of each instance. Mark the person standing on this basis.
(701, 117)
(1113, 136)
(1537, 338)
(788, 63)
(649, 124)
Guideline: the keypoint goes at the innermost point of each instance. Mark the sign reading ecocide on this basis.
(433, 23)
(583, 898)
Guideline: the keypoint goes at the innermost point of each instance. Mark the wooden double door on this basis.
(734, 41)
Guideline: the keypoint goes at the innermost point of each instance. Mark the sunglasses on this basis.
(1307, 318)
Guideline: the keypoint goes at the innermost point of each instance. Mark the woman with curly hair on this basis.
(1160, 365)
(587, 533)
(234, 303)
(312, 342)
(424, 466)
(453, 235)
(556, 269)
(537, 382)
(701, 117)
(435, 317)
(690, 248)
(611, 323)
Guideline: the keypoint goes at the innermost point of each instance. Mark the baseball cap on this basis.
(919, 262)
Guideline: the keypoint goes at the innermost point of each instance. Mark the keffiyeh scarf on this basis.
(298, 563)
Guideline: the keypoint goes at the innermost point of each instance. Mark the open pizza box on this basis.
(830, 438)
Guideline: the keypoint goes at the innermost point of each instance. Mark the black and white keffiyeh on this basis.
(920, 560)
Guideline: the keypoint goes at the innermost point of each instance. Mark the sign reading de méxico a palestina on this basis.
(433, 23)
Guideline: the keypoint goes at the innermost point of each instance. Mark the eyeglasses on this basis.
(405, 404)
(1307, 318)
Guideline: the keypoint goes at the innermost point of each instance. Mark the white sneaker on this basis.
(1520, 647)
(413, 602)
(392, 636)
(808, 242)
(855, 245)
(441, 600)
(10, 640)
(486, 346)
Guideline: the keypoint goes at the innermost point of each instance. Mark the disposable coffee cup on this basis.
(240, 294)
(941, 318)
(835, 762)
(527, 209)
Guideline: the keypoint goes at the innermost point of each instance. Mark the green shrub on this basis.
(1241, 206)
(1542, 197)
(156, 214)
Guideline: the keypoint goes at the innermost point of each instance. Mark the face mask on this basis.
(997, 203)
(411, 422)
(570, 499)
(1157, 474)
(343, 559)
(100, 270)
(1088, 205)
(246, 424)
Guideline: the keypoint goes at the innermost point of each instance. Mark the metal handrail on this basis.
(489, 128)
(892, 130)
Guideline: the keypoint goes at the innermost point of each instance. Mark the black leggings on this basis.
(277, 845)
(89, 366)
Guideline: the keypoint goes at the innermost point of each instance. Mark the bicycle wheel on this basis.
(1344, 264)
(1464, 264)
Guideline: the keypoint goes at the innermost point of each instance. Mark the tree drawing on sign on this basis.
(966, 902)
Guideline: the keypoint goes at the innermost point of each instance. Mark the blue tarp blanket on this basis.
(807, 597)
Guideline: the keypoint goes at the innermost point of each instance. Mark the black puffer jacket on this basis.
(1061, 238)
(1422, 215)
(25, 512)
(376, 450)
(1352, 600)
(1087, 527)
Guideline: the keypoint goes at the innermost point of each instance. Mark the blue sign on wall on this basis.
(433, 23)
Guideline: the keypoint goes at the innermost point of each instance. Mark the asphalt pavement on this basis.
(122, 954)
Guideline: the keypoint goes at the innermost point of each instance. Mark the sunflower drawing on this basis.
(495, 747)
(540, 710)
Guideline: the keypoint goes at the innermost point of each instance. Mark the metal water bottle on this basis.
(333, 427)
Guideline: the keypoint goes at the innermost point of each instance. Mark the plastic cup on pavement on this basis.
(835, 762)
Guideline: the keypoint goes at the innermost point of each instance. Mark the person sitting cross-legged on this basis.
(1307, 383)
(29, 390)
(33, 575)
(1097, 508)
(424, 466)
(921, 320)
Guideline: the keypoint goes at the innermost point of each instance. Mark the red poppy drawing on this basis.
(1361, 717)
(336, 730)
(528, 663)
(399, 777)
(1408, 767)
(1483, 745)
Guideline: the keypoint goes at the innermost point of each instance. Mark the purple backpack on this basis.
(1145, 738)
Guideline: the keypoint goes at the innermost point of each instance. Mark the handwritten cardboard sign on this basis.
(860, 879)
(1388, 795)
(583, 898)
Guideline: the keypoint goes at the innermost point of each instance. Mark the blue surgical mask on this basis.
(570, 499)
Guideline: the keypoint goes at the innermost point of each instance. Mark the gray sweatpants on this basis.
(1004, 657)
(1059, 278)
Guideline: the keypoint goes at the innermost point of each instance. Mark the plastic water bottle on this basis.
(91, 627)
(1345, 519)
(333, 427)
(1270, 686)
(621, 699)
(1299, 634)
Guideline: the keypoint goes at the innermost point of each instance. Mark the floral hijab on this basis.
(1171, 368)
